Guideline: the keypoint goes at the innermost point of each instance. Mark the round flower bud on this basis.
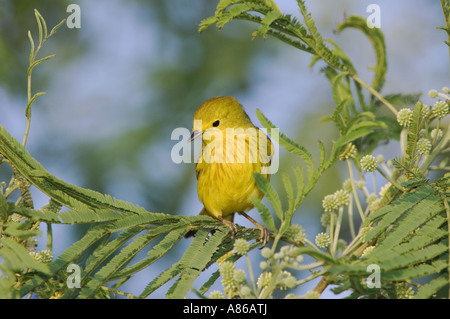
(239, 275)
(404, 117)
(287, 250)
(325, 219)
(404, 291)
(266, 252)
(245, 291)
(342, 197)
(349, 152)
(216, 295)
(263, 265)
(423, 146)
(44, 256)
(278, 255)
(446, 90)
(432, 93)
(422, 133)
(372, 201)
(300, 237)
(323, 240)
(290, 281)
(384, 189)
(293, 230)
(226, 269)
(434, 132)
(371, 198)
(241, 246)
(360, 184)
(368, 163)
(440, 109)
(364, 231)
(380, 158)
(347, 185)
(264, 279)
(329, 202)
(425, 111)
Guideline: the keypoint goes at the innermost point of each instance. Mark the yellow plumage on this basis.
(232, 150)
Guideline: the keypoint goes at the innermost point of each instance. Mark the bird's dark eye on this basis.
(216, 123)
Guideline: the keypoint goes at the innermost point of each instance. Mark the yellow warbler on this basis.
(232, 150)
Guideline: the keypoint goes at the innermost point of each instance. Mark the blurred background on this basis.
(136, 70)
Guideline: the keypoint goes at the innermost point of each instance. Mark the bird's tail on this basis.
(192, 232)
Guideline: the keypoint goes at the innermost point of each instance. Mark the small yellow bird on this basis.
(232, 150)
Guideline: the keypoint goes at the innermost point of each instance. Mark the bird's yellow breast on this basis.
(225, 171)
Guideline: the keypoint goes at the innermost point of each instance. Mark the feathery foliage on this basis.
(400, 240)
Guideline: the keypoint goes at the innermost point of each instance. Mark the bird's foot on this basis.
(231, 226)
(265, 236)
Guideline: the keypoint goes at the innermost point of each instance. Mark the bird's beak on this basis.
(194, 135)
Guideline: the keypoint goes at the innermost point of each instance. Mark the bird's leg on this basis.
(230, 225)
(264, 231)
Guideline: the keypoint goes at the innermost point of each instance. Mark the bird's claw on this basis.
(231, 226)
(264, 236)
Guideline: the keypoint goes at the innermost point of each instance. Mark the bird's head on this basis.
(219, 113)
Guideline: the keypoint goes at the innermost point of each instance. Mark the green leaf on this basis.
(159, 250)
(410, 239)
(17, 258)
(412, 220)
(3, 207)
(318, 255)
(106, 250)
(160, 280)
(265, 214)
(270, 193)
(413, 132)
(206, 23)
(287, 143)
(41, 25)
(115, 264)
(30, 102)
(237, 10)
(266, 21)
(20, 230)
(300, 186)
(393, 261)
(392, 212)
(427, 291)
(32, 65)
(68, 256)
(289, 191)
(322, 154)
(419, 271)
(193, 262)
(376, 37)
(353, 135)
